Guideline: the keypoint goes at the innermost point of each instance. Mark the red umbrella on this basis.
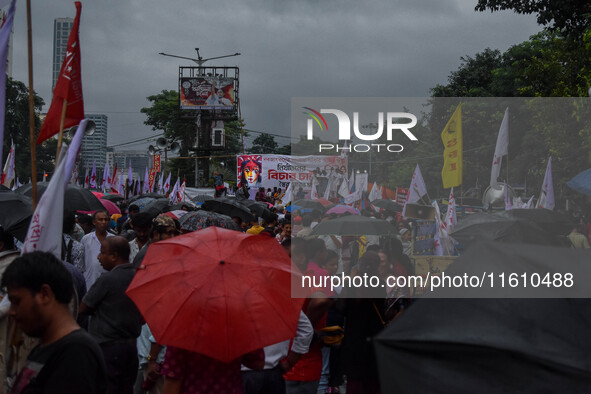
(217, 292)
(98, 195)
(324, 202)
(111, 207)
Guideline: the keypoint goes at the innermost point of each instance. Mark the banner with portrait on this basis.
(207, 92)
(269, 171)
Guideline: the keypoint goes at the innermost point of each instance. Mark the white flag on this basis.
(166, 184)
(182, 190)
(530, 203)
(353, 197)
(93, 175)
(501, 149)
(288, 196)
(344, 188)
(416, 190)
(375, 193)
(547, 196)
(450, 217)
(45, 230)
(173, 197)
(160, 179)
(104, 181)
(146, 188)
(352, 182)
(8, 174)
(121, 184)
(439, 238)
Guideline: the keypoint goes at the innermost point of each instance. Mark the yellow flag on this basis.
(451, 174)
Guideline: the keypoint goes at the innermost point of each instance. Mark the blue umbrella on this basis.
(292, 208)
(581, 182)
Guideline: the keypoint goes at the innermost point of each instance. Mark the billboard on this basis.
(205, 92)
(271, 171)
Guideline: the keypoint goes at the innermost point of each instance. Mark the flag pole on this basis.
(61, 133)
(32, 139)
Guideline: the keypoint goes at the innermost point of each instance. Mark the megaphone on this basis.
(161, 142)
(175, 147)
(151, 150)
(89, 130)
(417, 211)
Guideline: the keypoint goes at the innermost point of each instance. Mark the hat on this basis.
(403, 231)
(164, 221)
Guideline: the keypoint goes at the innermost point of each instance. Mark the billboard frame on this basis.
(229, 75)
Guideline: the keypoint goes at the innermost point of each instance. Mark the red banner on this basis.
(156, 164)
(151, 179)
(401, 195)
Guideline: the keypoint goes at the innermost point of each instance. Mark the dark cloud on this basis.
(289, 49)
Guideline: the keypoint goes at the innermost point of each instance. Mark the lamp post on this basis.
(200, 72)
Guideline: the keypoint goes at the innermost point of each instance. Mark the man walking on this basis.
(92, 246)
(67, 359)
(115, 320)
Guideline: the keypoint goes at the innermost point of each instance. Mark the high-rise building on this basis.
(61, 32)
(94, 147)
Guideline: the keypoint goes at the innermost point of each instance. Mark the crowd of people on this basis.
(109, 347)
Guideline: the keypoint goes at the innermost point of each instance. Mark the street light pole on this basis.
(200, 61)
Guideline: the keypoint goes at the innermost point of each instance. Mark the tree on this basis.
(16, 128)
(165, 114)
(546, 65)
(264, 143)
(570, 17)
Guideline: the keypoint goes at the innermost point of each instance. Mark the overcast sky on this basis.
(335, 48)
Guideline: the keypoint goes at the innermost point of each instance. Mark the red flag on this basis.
(114, 186)
(68, 87)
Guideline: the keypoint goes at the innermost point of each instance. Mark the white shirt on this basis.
(133, 249)
(301, 344)
(92, 248)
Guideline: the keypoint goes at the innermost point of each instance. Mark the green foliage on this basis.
(16, 128)
(549, 64)
(570, 17)
(165, 114)
(264, 143)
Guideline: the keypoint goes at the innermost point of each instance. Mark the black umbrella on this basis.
(492, 345)
(157, 206)
(388, 205)
(75, 198)
(228, 207)
(113, 197)
(503, 227)
(353, 225)
(201, 198)
(258, 208)
(311, 204)
(15, 213)
(201, 219)
(550, 221)
(150, 195)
